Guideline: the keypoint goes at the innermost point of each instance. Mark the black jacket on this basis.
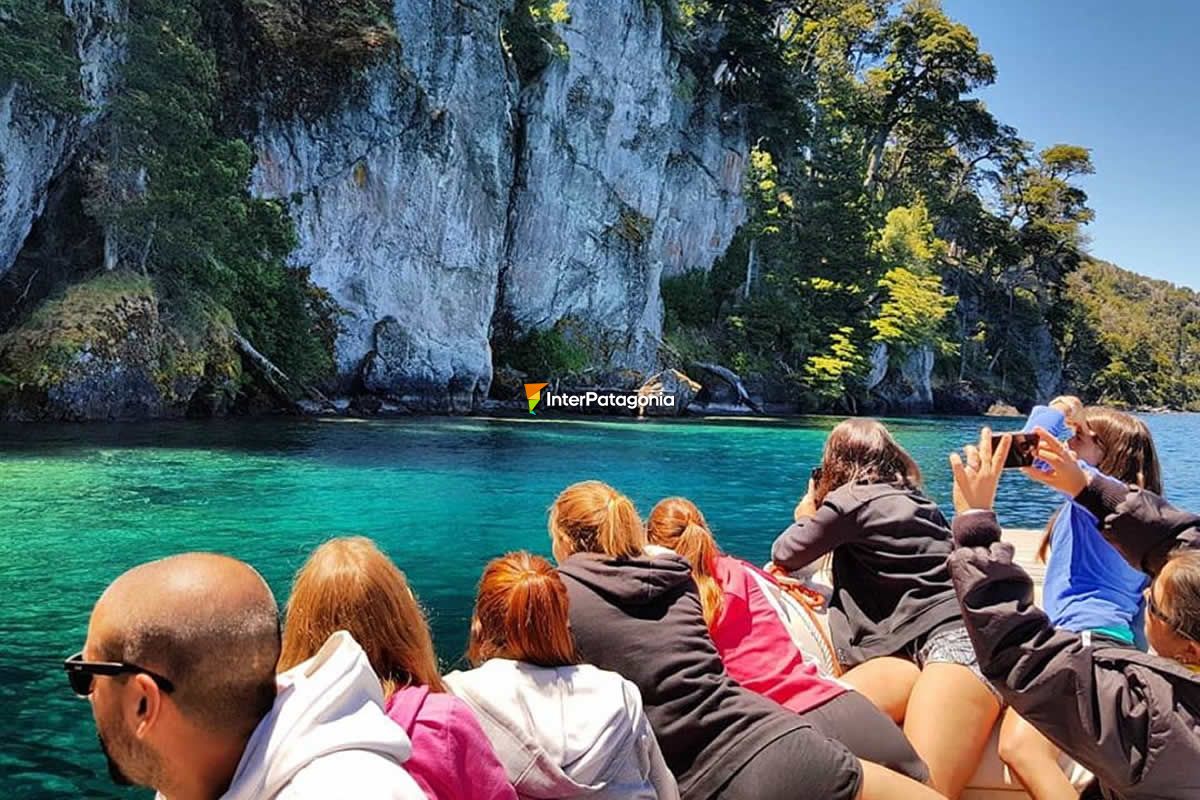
(1131, 718)
(890, 582)
(642, 618)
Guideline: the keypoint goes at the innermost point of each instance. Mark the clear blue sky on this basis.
(1122, 79)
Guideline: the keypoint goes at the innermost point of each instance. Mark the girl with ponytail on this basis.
(743, 607)
(636, 610)
(562, 729)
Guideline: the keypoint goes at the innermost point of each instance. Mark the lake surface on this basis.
(79, 505)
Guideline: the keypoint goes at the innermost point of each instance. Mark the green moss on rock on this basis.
(103, 351)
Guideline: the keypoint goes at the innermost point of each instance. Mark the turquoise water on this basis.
(79, 505)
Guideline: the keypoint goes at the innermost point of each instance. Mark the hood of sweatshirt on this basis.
(329, 704)
(561, 732)
(630, 581)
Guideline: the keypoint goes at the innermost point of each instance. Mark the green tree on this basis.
(37, 51)
(172, 195)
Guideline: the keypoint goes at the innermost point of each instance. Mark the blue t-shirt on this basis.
(1089, 586)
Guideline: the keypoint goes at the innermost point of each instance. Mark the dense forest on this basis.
(893, 215)
(902, 249)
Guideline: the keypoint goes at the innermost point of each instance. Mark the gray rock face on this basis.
(36, 144)
(400, 200)
(904, 384)
(426, 194)
(621, 179)
(1047, 366)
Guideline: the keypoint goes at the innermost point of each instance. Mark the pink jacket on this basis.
(452, 758)
(755, 644)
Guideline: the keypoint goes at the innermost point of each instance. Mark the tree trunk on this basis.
(732, 378)
(288, 389)
(751, 268)
(875, 159)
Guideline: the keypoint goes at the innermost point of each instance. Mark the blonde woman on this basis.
(740, 603)
(349, 584)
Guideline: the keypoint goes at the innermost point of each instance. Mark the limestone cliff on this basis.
(622, 177)
(37, 143)
(440, 193)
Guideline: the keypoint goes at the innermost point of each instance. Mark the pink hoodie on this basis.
(452, 758)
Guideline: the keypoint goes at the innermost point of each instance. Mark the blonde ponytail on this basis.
(593, 517)
(676, 523)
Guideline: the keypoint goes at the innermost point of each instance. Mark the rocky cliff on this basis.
(443, 194)
(621, 177)
(450, 194)
(38, 143)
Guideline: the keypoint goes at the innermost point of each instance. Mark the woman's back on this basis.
(891, 584)
(642, 617)
(563, 732)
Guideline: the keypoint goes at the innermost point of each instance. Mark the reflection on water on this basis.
(79, 505)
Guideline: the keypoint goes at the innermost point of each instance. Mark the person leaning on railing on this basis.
(1131, 718)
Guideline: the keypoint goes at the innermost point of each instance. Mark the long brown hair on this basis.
(1129, 455)
(593, 517)
(677, 524)
(349, 584)
(861, 449)
(521, 613)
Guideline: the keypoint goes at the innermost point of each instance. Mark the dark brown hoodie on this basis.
(642, 618)
(1131, 718)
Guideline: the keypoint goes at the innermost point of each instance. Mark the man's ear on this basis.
(146, 705)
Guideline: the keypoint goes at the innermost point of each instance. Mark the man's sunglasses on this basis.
(81, 674)
(1162, 616)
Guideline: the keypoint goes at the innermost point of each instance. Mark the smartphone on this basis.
(1021, 454)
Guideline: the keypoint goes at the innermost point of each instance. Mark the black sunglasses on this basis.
(1157, 612)
(81, 674)
(815, 475)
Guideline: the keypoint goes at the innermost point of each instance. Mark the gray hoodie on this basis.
(566, 732)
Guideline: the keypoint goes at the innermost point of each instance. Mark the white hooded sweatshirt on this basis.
(327, 736)
(567, 732)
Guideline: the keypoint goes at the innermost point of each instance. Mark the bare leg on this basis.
(1034, 760)
(949, 721)
(880, 783)
(887, 682)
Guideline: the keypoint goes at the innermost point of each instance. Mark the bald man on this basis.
(179, 666)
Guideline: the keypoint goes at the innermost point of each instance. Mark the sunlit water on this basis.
(79, 505)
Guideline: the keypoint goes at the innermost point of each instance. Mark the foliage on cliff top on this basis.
(37, 51)
(886, 203)
(302, 56)
(1131, 340)
(530, 37)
